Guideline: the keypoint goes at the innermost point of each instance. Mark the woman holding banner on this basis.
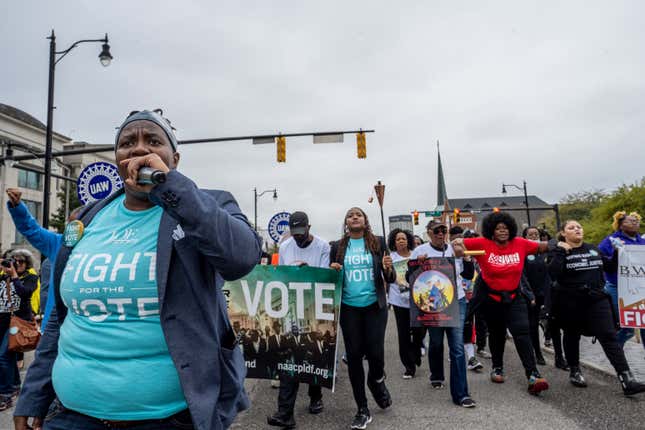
(363, 316)
(401, 243)
(498, 292)
(581, 307)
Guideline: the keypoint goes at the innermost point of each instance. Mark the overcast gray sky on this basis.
(549, 92)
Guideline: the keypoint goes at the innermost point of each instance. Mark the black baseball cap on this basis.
(435, 223)
(298, 223)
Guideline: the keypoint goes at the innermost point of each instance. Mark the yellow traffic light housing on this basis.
(281, 146)
(361, 146)
(416, 217)
(455, 215)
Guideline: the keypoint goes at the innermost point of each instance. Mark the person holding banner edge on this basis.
(497, 291)
(367, 271)
(582, 307)
(302, 248)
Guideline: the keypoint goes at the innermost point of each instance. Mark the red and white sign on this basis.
(631, 286)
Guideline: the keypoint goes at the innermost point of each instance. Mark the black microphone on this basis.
(147, 176)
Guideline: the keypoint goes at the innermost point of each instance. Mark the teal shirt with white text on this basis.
(113, 360)
(358, 271)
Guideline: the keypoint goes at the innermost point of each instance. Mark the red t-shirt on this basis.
(501, 266)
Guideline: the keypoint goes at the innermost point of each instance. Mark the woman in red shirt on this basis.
(499, 293)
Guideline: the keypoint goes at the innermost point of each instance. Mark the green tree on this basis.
(629, 198)
(576, 206)
(58, 220)
(595, 209)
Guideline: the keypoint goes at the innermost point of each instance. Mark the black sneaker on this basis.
(278, 420)
(5, 403)
(437, 385)
(316, 406)
(474, 364)
(630, 385)
(539, 359)
(362, 419)
(380, 393)
(561, 363)
(576, 378)
(467, 403)
(408, 374)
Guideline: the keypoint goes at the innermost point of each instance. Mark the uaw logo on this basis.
(278, 225)
(98, 181)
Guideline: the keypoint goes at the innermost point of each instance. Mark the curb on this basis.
(585, 363)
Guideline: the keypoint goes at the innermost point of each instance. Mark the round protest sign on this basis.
(98, 181)
(278, 225)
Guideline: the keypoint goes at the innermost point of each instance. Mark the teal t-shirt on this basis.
(358, 268)
(113, 360)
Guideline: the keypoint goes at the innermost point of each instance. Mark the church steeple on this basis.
(442, 195)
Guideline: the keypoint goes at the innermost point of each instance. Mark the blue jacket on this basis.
(203, 239)
(608, 250)
(45, 241)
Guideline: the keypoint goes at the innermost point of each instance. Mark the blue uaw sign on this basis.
(97, 181)
(278, 224)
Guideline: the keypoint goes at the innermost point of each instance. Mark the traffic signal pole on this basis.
(257, 138)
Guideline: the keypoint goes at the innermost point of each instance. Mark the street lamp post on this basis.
(255, 200)
(526, 198)
(105, 57)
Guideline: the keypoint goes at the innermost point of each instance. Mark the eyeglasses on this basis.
(437, 230)
(20, 261)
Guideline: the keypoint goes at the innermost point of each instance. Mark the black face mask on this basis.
(302, 240)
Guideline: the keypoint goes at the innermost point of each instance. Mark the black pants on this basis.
(554, 332)
(514, 317)
(364, 335)
(409, 339)
(289, 392)
(591, 317)
(481, 330)
(534, 324)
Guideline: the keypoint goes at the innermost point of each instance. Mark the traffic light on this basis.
(415, 214)
(281, 145)
(361, 147)
(495, 209)
(455, 215)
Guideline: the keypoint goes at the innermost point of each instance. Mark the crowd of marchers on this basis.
(173, 360)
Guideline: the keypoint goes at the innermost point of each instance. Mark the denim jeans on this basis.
(61, 418)
(455, 335)
(624, 334)
(9, 373)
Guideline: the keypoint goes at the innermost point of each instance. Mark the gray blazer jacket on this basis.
(203, 239)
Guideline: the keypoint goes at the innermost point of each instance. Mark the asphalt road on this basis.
(417, 406)
(499, 406)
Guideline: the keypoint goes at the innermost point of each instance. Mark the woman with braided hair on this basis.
(367, 270)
